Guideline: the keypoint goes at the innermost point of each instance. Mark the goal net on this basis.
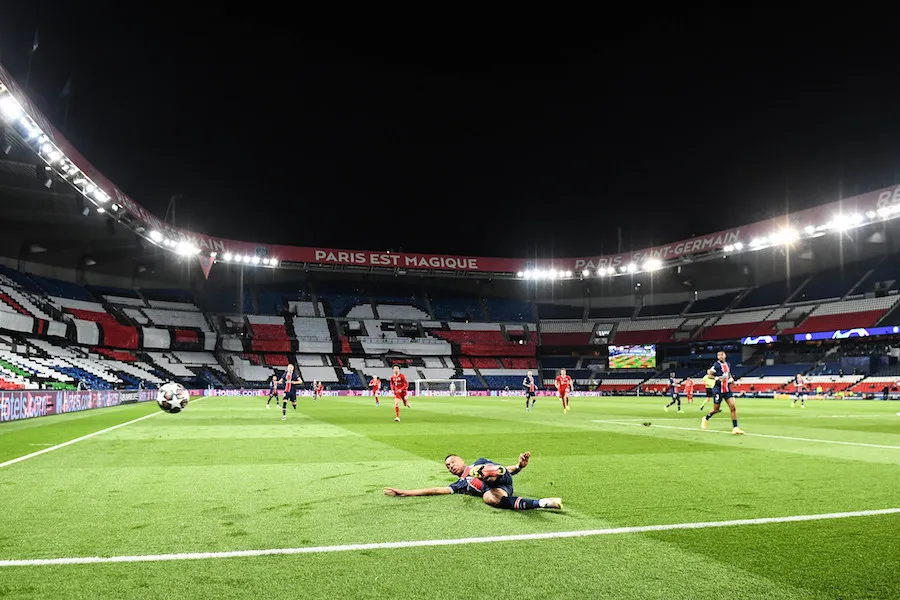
(441, 387)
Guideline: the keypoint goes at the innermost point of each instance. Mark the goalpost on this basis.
(441, 387)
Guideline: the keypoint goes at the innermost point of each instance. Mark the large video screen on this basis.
(632, 357)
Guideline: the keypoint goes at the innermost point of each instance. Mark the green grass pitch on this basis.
(227, 474)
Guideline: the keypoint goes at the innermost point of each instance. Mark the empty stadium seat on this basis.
(713, 304)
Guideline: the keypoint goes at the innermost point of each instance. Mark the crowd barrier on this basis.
(18, 405)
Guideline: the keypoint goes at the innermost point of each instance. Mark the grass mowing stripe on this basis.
(78, 439)
(764, 435)
(446, 542)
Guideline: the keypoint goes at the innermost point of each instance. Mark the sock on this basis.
(679, 404)
(708, 416)
(734, 422)
(397, 411)
(518, 503)
(294, 404)
(284, 408)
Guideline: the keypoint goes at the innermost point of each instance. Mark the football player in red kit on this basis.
(399, 385)
(563, 383)
(375, 384)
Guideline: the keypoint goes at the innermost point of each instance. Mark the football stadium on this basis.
(240, 487)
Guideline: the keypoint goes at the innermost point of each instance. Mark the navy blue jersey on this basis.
(672, 387)
(476, 487)
(723, 371)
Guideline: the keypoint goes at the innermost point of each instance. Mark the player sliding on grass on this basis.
(487, 479)
(722, 391)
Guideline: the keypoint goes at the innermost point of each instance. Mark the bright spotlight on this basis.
(10, 107)
(156, 236)
(585, 273)
(255, 260)
(739, 246)
(227, 256)
(273, 262)
(568, 273)
(652, 264)
(784, 236)
(632, 267)
(520, 274)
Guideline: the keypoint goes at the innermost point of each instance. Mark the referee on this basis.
(709, 381)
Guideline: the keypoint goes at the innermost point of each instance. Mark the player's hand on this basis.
(523, 459)
(394, 492)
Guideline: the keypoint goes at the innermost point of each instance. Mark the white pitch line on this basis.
(765, 435)
(79, 439)
(84, 560)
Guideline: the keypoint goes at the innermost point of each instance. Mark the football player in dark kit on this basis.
(487, 479)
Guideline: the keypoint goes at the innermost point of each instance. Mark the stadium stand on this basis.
(568, 333)
(713, 304)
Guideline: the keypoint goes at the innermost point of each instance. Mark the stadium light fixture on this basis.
(810, 230)
(632, 267)
(101, 210)
(156, 236)
(568, 273)
(585, 273)
(10, 107)
(520, 274)
(728, 248)
(255, 260)
(227, 256)
(652, 264)
(739, 246)
(784, 236)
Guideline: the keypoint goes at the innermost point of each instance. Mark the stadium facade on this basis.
(96, 289)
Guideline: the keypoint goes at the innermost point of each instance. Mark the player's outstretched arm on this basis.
(435, 491)
(523, 462)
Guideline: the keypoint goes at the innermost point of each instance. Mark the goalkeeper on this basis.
(484, 478)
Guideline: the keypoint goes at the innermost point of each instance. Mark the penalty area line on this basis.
(78, 439)
(763, 435)
(85, 560)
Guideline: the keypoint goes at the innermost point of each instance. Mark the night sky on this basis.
(505, 141)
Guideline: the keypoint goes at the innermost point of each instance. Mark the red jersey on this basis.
(319, 388)
(689, 385)
(399, 383)
(563, 383)
(375, 384)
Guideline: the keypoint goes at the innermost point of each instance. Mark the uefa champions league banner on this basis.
(18, 405)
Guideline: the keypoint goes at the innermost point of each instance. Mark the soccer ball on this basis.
(172, 397)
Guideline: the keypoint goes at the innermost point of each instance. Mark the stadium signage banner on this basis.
(817, 216)
(843, 334)
(15, 406)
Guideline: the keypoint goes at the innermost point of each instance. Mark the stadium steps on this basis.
(863, 279)
(484, 309)
(891, 317)
(584, 315)
(481, 378)
(427, 301)
(687, 307)
(797, 291)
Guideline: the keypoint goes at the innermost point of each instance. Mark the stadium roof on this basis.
(63, 162)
